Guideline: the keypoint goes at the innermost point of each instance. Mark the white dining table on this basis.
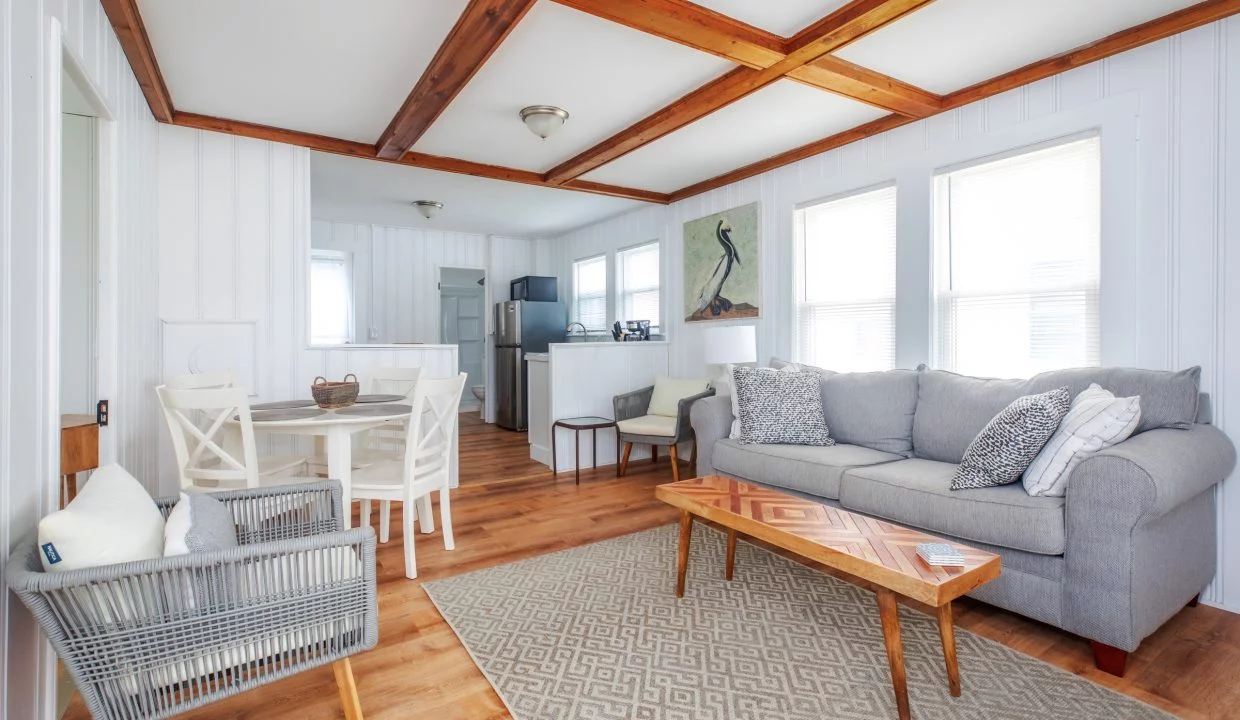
(336, 427)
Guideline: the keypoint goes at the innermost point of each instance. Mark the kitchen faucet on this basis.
(569, 329)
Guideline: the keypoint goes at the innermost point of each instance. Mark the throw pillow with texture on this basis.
(1096, 421)
(735, 432)
(199, 523)
(780, 407)
(1011, 440)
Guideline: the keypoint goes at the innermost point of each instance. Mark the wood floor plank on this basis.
(509, 507)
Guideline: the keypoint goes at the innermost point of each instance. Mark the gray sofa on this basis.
(1131, 544)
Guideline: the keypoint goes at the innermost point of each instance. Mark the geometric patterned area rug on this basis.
(597, 632)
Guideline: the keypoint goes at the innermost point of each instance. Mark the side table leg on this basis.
(577, 456)
(947, 632)
(682, 557)
(889, 613)
(727, 573)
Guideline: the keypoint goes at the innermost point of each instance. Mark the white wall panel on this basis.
(1171, 219)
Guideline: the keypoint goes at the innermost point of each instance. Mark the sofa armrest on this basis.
(632, 404)
(1151, 474)
(684, 424)
(711, 418)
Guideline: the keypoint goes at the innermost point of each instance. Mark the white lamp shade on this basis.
(731, 344)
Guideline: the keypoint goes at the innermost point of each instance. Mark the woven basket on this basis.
(330, 394)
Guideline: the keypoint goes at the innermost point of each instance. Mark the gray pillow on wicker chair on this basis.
(199, 523)
(780, 407)
(1011, 440)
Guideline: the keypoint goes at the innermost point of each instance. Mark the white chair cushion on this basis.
(669, 391)
(112, 520)
(660, 425)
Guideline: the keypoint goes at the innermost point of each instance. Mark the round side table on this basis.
(577, 425)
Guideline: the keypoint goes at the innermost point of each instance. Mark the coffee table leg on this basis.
(727, 574)
(682, 558)
(889, 613)
(947, 632)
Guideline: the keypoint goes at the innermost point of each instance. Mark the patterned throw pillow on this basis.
(1011, 440)
(780, 407)
(1096, 421)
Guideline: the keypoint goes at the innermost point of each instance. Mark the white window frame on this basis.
(321, 254)
(799, 269)
(624, 293)
(577, 297)
(941, 290)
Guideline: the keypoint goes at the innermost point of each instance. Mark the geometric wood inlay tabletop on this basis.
(878, 551)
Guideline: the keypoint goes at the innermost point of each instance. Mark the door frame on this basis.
(487, 350)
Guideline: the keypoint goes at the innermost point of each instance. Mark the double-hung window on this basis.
(1017, 245)
(331, 297)
(590, 292)
(845, 266)
(637, 276)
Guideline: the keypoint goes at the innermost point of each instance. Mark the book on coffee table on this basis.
(940, 554)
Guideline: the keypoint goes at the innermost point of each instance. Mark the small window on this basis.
(637, 275)
(590, 292)
(1017, 253)
(331, 297)
(846, 282)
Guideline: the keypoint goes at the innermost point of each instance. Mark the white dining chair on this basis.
(198, 420)
(425, 468)
(201, 381)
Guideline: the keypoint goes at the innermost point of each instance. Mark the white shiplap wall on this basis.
(26, 236)
(1169, 115)
(403, 299)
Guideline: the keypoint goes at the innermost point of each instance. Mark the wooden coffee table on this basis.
(874, 554)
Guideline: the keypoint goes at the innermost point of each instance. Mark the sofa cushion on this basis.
(952, 409)
(1011, 440)
(660, 425)
(917, 493)
(809, 469)
(872, 409)
(780, 407)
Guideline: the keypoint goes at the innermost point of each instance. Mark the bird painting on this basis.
(721, 265)
(711, 295)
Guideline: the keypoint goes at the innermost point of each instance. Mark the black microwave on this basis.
(534, 288)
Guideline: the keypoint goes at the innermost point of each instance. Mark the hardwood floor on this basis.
(509, 507)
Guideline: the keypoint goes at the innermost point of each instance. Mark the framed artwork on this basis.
(722, 266)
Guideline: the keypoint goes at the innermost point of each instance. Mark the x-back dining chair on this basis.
(426, 466)
(202, 381)
(198, 420)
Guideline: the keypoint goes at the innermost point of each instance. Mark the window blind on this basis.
(846, 282)
(590, 292)
(1017, 256)
(331, 298)
(638, 277)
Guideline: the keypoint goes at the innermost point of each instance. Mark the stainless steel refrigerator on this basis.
(521, 326)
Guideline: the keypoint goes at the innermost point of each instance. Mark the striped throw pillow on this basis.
(1096, 420)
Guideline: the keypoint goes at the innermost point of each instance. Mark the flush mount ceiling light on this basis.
(542, 120)
(428, 208)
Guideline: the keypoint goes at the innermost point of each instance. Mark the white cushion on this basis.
(1095, 421)
(112, 520)
(669, 391)
(660, 425)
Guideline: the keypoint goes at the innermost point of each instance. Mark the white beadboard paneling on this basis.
(1171, 219)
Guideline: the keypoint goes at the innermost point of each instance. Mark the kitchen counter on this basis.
(598, 344)
(536, 357)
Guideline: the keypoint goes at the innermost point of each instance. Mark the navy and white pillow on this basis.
(1011, 440)
(780, 408)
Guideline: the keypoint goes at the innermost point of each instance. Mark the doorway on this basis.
(79, 251)
(462, 322)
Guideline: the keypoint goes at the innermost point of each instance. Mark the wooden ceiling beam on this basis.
(366, 151)
(478, 32)
(127, 24)
(1158, 29)
(841, 77)
(841, 27)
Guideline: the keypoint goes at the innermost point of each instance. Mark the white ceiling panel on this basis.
(951, 44)
(605, 75)
(779, 117)
(340, 68)
(782, 17)
(346, 189)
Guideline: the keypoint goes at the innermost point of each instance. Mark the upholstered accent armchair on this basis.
(638, 422)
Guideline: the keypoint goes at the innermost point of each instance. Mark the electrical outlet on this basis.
(101, 413)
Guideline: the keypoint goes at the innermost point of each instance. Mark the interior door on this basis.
(463, 324)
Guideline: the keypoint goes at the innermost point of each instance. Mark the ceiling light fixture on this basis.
(428, 208)
(542, 120)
